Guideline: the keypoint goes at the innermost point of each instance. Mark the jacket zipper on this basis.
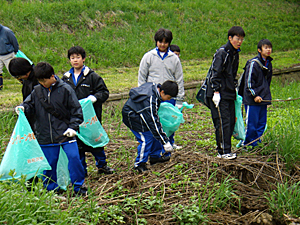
(51, 136)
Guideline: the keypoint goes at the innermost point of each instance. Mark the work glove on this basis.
(179, 104)
(19, 107)
(70, 132)
(216, 99)
(168, 147)
(92, 98)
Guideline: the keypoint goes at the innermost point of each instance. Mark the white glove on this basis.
(70, 132)
(168, 147)
(178, 104)
(19, 107)
(216, 99)
(92, 98)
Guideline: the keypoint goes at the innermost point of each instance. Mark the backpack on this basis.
(241, 81)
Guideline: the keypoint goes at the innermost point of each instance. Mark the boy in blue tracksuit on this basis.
(88, 84)
(140, 115)
(58, 115)
(257, 94)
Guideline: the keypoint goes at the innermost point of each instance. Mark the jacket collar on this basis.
(229, 48)
(85, 71)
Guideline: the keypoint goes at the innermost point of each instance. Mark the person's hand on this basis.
(70, 132)
(92, 98)
(258, 99)
(178, 104)
(19, 107)
(216, 99)
(168, 147)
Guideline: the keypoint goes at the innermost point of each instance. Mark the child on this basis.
(88, 84)
(9, 46)
(160, 64)
(58, 115)
(22, 70)
(257, 88)
(221, 91)
(175, 49)
(140, 115)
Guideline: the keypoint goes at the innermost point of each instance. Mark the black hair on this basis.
(170, 88)
(236, 30)
(19, 67)
(43, 70)
(174, 48)
(163, 34)
(76, 50)
(264, 42)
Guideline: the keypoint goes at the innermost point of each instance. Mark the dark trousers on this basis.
(224, 120)
(98, 154)
(1, 81)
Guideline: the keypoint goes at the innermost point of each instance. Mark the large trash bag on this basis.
(170, 117)
(23, 153)
(91, 131)
(239, 128)
(62, 170)
(20, 54)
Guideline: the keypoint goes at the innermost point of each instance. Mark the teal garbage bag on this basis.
(20, 54)
(170, 117)
(62, 170)
(186, 105)
(91, 131)
(239, 128)
(23, 153)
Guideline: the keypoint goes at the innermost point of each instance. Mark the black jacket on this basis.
(224, 70)
(29, 84)
(257, 81)
(140, 111)
(49, 129)
(90, 83)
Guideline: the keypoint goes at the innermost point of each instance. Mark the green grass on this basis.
(117, 33)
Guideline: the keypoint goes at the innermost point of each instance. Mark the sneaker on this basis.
(106, 170)
(227, 156)
(159, 160)
(82, 192)
(177, 147)
(141, 168)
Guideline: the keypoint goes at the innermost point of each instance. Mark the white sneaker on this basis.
(177, 147)
(227, 156)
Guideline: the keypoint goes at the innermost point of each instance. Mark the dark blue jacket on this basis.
(8, 41)
(50, 129)
(257, 81)
(140, 111)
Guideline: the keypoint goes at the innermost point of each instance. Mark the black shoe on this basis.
(106, 170)
(141, 168)
(82, 192)
(159, 160)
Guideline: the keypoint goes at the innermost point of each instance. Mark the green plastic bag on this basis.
(91, 131)
(186, 105)
(170, 117)
(23, 153)
(20, 54)
(239, 128)
(62, 170)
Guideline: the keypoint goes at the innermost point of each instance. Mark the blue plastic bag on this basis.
(23, 153)
(170, 117)
(239, 128)
(91, 131)
(20, 54)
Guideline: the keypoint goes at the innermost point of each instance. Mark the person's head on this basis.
(76, 55)
(168, 90)
(175, 49)
(44, 73)
(163, 38)
(264, 47)
(236, 36)
(20, 68)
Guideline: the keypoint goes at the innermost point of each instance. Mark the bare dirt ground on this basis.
(254, 176)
